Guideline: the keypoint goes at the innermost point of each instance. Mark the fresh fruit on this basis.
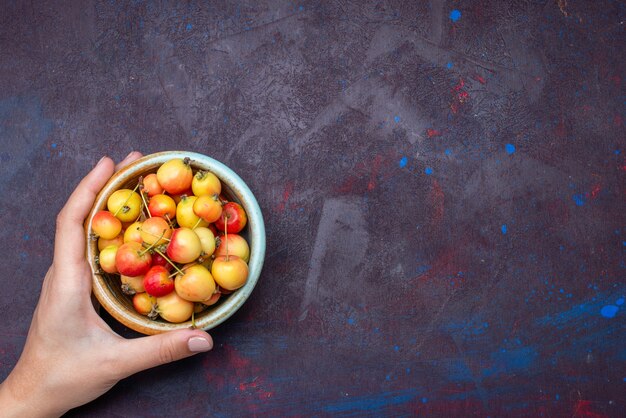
(132, 285)
(162, 205)
(102, 243)
(173, 308)
(206, 183)
(132, 259)
(145, 304)
(184, 246)
(235, 244)
(196, 284)
(105, 225)
(125, 205)
(207, 240)
(133, 232)
(155, 231)
(107, 259)
(229, 272)
(175, 175)
(234, 216)
(185, 216)
(209, 208)
(158, 282)
(151, 185)
(180, 255)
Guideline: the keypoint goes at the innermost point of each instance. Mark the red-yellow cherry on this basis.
(185, 216)
(107, 258)
(208, 207)
(151, 185)
(162, 205)
(155, 231)
(184, 246)
(125, 204)
(132, 259)
(196, 284)
(175, 175)
(229, 272)
(105, 225)
(173, 308)
(206, 183)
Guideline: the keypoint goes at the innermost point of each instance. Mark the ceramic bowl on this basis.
(107, 288)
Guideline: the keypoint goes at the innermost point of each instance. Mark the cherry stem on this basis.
(126, 201)
(169, 261)
(182, 270)
(153, 244)
(169, 221)
(158, 236)
(145, 204)
(196, 225)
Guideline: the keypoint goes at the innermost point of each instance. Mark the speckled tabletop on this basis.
(442, 184)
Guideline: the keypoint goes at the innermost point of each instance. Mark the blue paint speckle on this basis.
(26, 237)
(449, 65)
(53, 145)
(617, 152)
(510, 148)
(403, 162)
(396, 119)
(557, 397)
(396, 348)
(351, 321)
(609, 311)
(424, 400)
(448, 151)
(301, 8)
(579, 199)
(455, 15)
(388, 377)
(619, 302)
(504, 229)
(189, 26)
(428, 171)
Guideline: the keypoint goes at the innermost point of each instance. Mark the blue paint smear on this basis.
(619, 301)
(403, 162)
(428, 171)
(424, 400)
(189, 26)
(579, 199)
(449, 65)
(503, 228)
(351, 321)
(448, 151)
(396, 119)
(609, 311)
(507, 361)
(26, 237)
(510, 148)
(455, 15)
(372, 403)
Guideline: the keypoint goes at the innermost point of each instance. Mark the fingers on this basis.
(134, 155)
(146, 352)
(69, 241)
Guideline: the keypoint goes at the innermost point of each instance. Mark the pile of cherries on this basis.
(174, 241)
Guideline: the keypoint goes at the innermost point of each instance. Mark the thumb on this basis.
(146, 352)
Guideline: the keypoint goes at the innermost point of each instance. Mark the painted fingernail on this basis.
(199, 344)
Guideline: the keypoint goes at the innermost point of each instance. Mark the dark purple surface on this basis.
(442, 183)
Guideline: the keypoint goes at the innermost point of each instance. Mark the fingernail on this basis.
(128, 156)
(199, 344)
(101, 159)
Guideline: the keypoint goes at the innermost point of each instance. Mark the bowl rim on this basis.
(256, 235)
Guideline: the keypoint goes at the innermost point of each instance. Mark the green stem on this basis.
(169, 261)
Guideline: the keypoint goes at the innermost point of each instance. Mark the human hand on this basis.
(71, 356)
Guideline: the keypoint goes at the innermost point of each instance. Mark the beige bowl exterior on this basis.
(108, 292)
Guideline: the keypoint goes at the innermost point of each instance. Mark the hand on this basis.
(71, 356)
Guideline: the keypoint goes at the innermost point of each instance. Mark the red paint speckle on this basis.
(432, 132)
(595, 191)
(437, 199)
(560, 130)
(618, 121)
(480, 79)
(583, 409)
(286, 193)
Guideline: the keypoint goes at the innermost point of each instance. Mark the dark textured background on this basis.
(442, 183)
